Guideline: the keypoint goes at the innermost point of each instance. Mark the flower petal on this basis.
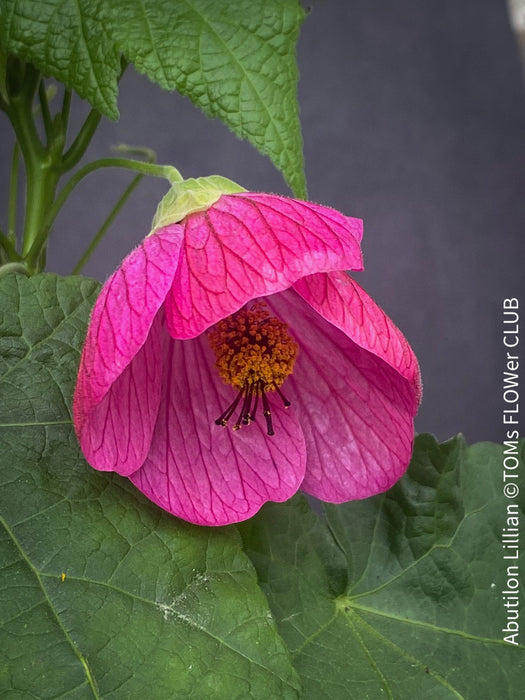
(208, 474)
(356, 410)
(116, 434)
(249, 245)
(341, 301)
(118, 387)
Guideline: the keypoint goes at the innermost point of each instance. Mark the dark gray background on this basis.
(413, 118)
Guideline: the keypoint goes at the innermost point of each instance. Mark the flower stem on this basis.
(150, 157)
(165, 171)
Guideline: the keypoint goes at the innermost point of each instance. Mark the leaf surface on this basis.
(400, 595)
(234, 59)
(102, 593)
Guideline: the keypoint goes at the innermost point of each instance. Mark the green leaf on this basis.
(69, 40)
(398, 596)
(235, 59)
(102, 593)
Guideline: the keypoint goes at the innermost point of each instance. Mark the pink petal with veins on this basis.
(339, 299)
(148, 393)
(118, 388)
(355, 410)
(250, 245)
(116, 434)
(209, 474)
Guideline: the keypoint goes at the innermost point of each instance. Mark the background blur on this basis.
(413, 119)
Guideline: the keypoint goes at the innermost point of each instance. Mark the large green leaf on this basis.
(398, 596)
(66, 39)
(235, 59)
(101, 593)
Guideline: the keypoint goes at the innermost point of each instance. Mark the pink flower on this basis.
(205, 334)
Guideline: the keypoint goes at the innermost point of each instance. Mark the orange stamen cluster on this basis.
(255, 353)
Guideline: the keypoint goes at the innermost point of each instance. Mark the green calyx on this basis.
(192, 195)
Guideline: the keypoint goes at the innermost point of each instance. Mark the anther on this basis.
(243, 415)
(285, 401)
(225, 417)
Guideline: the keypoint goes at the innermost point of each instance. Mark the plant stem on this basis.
(81, 142)
(44, 106)
(13, 194)
(9, 248)
(66, 106)
(41, 172)
(165, 171)
(13, 267)
(107, 223)
(41, 185)
(149, 155)
(84, 136)
(20, 113)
